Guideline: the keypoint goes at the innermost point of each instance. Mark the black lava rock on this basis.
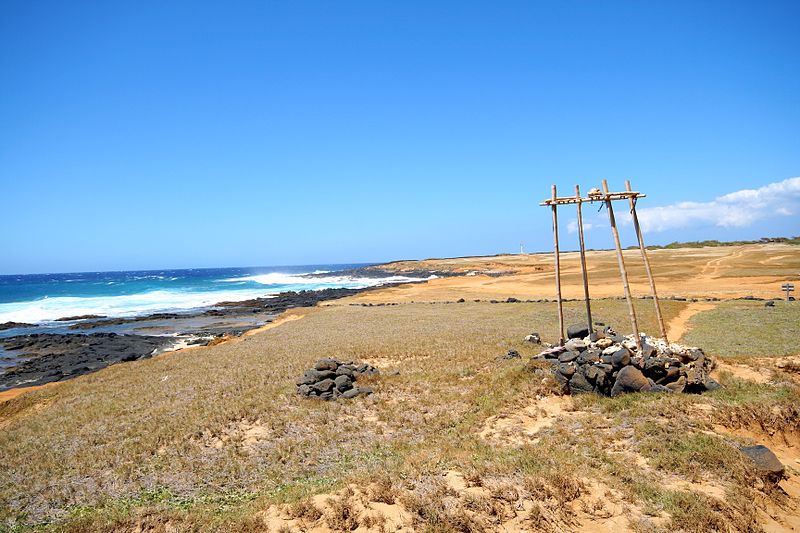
(331, 379)
(577, 331)
(767, 464)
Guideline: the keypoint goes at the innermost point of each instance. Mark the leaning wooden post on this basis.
(558, 270)
(583, 262)
(622, 272)
(646, 261)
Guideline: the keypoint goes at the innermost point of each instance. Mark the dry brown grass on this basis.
(148, 426)
(164, 440)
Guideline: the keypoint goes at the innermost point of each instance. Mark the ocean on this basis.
(44, 298)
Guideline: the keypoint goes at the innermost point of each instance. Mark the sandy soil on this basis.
(599, 509)
(13, 393)
(679, 325)
(722, 272)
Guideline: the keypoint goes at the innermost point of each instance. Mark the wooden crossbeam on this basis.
(565, 200)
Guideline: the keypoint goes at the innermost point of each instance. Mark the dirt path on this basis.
(678, 326)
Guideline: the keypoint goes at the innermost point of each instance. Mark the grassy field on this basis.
(748, 328)
(209, 438)
(176, 425)
(214, 439)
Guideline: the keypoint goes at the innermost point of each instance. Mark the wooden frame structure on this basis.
(606, 197)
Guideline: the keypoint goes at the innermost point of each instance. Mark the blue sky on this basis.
(189, 134)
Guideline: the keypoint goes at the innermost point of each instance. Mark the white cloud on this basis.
(572, 226)
(737, 209)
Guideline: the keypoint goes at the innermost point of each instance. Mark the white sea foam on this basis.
(48, 309)
(302, 281)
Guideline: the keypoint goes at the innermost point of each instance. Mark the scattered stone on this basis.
(767, 464)
(769, 303)
(534, 338)
(511, 354)
(331, 379)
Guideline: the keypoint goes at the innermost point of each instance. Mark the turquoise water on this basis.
(43, 298)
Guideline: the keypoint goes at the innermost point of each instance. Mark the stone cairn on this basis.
(331, 379)
(611, 364)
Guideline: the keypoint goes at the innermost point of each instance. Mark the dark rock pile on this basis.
(611, 364)
(331, 379)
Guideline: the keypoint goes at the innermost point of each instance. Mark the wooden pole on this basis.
(646, 262)
(583, 262)
(622, 272)
(558, 271)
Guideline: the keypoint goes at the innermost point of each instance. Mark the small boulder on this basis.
(611, 350)
(577, 345)
(647, 349)
(566, 369)
(569, 356)
(620, 358)
(326, 364)
(630, 379)
(604, 343)
(533, 338)
(323, 386)
(767, 464)
(577, 331)
(312, 376)
(579, 384)
(345, 370)
(677, 386)
(352, 393)
(511, 354)
(343, 383)
(594, 372)
(592, 355)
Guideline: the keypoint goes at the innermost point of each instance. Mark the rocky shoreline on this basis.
(48, 357)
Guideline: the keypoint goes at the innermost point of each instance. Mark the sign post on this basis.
(787, 287)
